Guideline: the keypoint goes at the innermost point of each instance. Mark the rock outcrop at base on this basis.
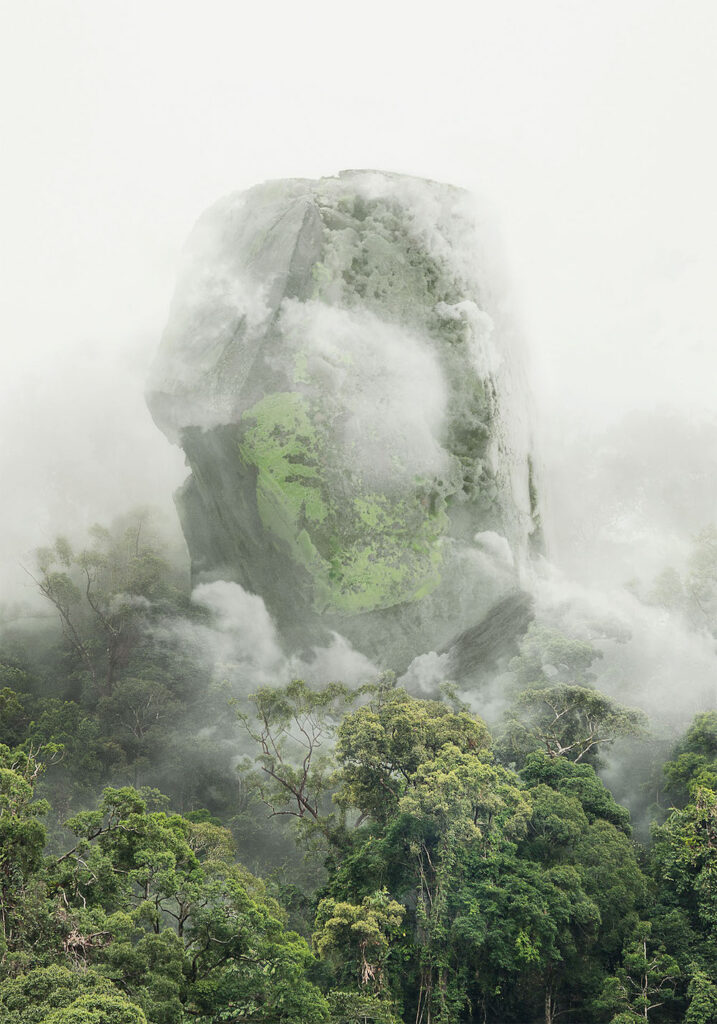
(341, 374)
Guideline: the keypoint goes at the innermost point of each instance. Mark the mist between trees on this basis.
(196, 825)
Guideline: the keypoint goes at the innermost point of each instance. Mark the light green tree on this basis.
(574, 722)
(360, 933)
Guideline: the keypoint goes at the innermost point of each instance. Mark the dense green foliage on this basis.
(322, 854)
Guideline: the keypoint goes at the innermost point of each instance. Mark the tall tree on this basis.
(102, 592)
(574, 722)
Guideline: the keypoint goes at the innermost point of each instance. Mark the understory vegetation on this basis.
(173, 849)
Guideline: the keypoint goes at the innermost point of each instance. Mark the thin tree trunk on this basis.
(549, 1004)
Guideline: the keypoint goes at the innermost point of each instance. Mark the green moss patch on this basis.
(364, 550)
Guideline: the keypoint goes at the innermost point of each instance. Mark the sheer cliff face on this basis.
(339, 373)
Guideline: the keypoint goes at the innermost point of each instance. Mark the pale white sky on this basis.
(587, 126)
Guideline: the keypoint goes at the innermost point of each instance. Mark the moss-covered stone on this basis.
(340, 372)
